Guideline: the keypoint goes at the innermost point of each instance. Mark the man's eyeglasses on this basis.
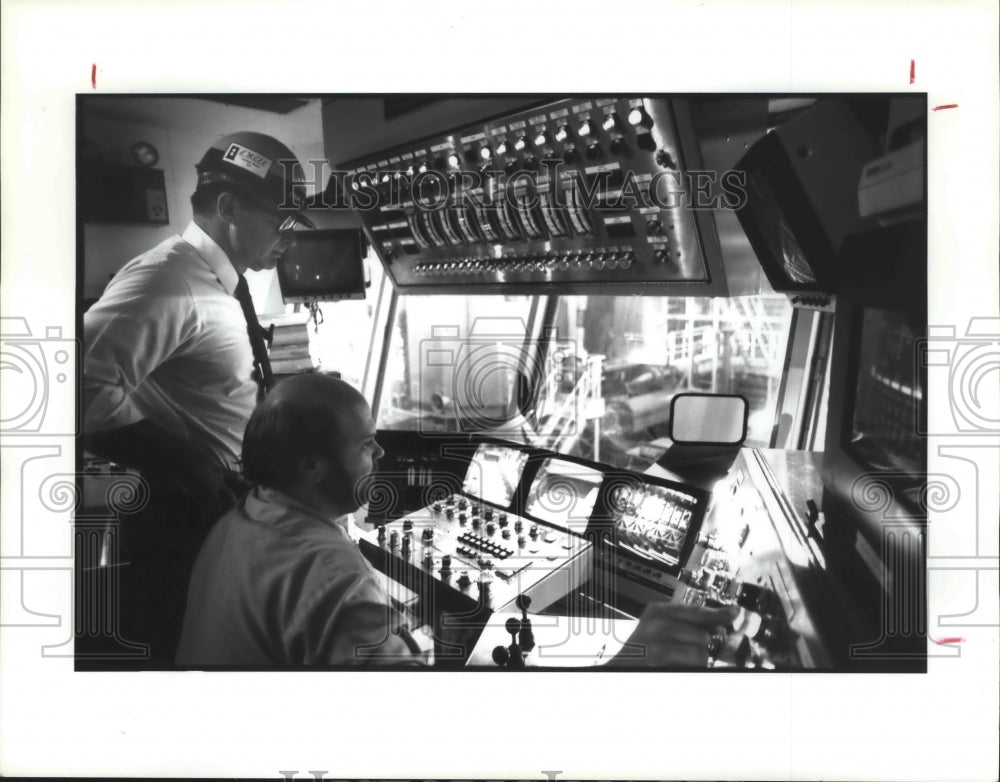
(283, 222)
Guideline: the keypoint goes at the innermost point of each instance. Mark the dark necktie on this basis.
(261, 363)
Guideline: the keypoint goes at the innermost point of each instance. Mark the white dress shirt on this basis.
(167, 342)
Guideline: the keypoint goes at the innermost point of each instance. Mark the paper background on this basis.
(52, 721)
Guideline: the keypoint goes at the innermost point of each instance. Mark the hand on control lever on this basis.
(675, 636)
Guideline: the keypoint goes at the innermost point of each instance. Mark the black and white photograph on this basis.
(606, 398)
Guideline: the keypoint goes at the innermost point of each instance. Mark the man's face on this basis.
(257, 235)
(352, 459)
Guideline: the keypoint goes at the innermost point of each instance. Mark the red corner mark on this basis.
(948, 641)
(93, 75)
(913, 71)
(945, 106)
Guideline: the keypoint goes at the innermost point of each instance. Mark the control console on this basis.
(573, 193)
(469, 552)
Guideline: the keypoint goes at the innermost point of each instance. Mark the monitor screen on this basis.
(652, 521)
(564, 492)
(494, 473)
(889, 398)
(324, 265)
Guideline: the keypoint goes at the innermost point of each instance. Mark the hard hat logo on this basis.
(247, 159)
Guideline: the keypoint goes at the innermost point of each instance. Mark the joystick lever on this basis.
(526, 638)
(516, 659)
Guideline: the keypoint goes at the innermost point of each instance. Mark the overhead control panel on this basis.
(563, 197)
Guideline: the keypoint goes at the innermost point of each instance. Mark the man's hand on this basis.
(673, 636)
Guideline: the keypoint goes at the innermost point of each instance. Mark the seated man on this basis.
(279, 582)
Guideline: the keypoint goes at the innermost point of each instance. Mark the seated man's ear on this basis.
(312, 467)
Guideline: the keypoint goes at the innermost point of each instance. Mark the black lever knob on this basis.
(501, 656)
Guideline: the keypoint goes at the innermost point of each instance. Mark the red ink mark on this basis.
(948, 641)
(945, 106)
(93, 75)
(913, 71)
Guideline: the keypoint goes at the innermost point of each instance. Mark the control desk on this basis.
(586, 540)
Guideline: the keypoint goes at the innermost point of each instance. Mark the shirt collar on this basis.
(214, 256)
(267, 505)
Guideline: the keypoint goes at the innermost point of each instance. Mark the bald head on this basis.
(310, 420)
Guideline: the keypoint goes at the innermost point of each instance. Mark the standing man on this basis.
(174, 361)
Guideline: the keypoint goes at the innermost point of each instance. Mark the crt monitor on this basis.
(655, 523)
(802, 194)
(494, 473)
(324, 265)
(563, 493)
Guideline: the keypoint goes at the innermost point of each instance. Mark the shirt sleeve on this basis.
(351, 622)
(142, 319)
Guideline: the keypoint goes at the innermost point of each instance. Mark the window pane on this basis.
(341, 341)
(454, 364)
(648, 349)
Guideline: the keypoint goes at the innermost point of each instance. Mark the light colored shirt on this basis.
(276, 584)
(167, 342)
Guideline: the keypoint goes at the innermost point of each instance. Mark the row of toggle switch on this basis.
(514, 152)
(473, 266)
(543, 139)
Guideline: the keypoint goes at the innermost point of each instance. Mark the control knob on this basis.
(644, 140)
(491, 528)
(586, 128)
(463, 580)
(618, 145)
(407, 525)
(638, 117)
(427, 534)
(570, 156)
(593, 151)
(665, 160)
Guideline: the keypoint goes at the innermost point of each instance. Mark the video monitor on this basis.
(494, 473)
(324, 265)
(890, 407)
(653, 522)
(564, 492)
